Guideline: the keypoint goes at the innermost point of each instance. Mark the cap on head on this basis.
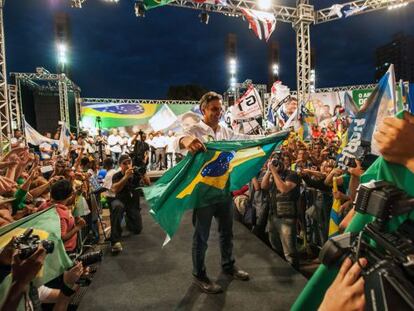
(123, 158)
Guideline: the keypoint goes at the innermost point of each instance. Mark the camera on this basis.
(28, 243)
(276, 161)
(139, 171)
(389, 274)
(90, 258)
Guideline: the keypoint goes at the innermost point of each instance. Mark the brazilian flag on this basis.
(45, 224)
(207, 178)
(312, 295)
(150, 4)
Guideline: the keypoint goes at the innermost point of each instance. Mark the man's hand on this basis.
(129, 172)
(347, 290)
(80, 222)
(24, 271)
(71, 276)
(192, 144)
(395, 139)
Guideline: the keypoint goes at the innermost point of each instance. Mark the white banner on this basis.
(34, 137)
(163, 119)
(248, 106)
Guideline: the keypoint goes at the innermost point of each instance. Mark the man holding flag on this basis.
(206, 130)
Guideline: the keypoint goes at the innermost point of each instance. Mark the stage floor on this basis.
(147, 277)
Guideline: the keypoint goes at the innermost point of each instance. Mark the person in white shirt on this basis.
(115, 142)
(193, 140)
(160, 144)
(17, 140)
(46, 148)
(170, 150)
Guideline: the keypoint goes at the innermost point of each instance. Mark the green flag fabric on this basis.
(207, 178)
(150, 4)
(312, 295)
(45, 224)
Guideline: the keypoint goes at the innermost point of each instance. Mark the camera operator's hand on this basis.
(80, 222)
(192, 144)
(129, 172)
(347, 290)
(356, 171)
(24, 271)
(395, 139)
(71, 276)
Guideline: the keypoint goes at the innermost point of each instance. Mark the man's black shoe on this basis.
(238, 274)
(207, 286)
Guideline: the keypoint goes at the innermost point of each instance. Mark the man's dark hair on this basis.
(61, 190)
(84, 161)
(208, 97)
(108, 163)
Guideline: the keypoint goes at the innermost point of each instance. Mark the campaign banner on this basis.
(248, 106)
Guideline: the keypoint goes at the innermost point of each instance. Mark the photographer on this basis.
(284, 186)
(124, 185)
(141, 149)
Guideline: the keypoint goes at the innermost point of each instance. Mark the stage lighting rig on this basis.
(204, 17)
(139, 9)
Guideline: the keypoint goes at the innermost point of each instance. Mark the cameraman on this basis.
(284, 186)
(124, 185)
(141, 149)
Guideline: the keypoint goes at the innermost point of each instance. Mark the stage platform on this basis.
(146, 276)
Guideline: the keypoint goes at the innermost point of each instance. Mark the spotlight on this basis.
(265, 4)
(77, 3)
(204, 17)
(139, 9)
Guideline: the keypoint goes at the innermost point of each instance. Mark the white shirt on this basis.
(170, 144)
(159, 142)
(205, 133)
(107, 183)
(115, 142)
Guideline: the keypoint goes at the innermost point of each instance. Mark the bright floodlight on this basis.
(397, 6)
(61, 53)
(275, 69)
(114, 1)
(264, 4)
(232, 66)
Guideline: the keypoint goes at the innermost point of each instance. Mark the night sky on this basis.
(116, 54)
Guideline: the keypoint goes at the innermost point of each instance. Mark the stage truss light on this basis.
(77, 3)
(232, 66)
(204, 17)
(397, 6)
(264, 4)
(139, 9)
(312, 80)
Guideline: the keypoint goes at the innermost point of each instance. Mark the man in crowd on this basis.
(193, 141)
(141, 149)
(160, 144)
(46, 148)
(18, 139)
(124, 185)
(170, 161)
(115, 143)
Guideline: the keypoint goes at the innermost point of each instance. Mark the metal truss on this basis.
(233, 8)
(78, 116)
(63, 103)
(341, 88)
(15, 109)
(5, 122)
(94, 101)
(326, 15)
(46, 76)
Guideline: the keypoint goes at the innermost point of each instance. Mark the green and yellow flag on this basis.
(150, 4)
(207, 178)
(335, 217)
(45, 224)
(312, 295)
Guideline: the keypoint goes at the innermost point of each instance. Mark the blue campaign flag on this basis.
(410, 97)
(380, 104)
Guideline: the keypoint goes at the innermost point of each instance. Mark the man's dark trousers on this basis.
(133, 218)
(223, 212)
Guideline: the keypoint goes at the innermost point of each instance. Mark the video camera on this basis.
(28, 243)
(389, 275)
(277, 159)
(90, 258)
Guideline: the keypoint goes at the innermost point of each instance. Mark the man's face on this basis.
(212, 112)
(17, 134)
(291, 106)
(126, 164)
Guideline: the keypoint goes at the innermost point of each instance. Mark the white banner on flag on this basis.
(248, 106)
(33, 137)
(163, 119)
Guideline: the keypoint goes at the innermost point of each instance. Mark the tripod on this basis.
(99, 143)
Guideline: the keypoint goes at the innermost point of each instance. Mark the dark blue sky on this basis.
(115, 54)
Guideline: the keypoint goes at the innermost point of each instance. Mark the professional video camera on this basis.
(28, 243)
(389, 275)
